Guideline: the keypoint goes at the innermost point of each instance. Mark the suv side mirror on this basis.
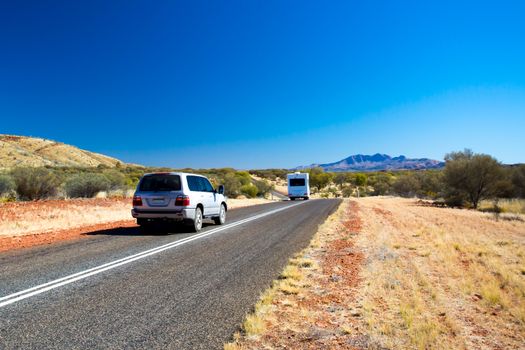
(220, 189)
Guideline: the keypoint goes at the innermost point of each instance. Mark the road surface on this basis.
(123, 289)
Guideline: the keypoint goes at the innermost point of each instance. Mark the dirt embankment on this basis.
(25, 224)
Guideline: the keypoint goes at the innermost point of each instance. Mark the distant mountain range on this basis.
(378, 162)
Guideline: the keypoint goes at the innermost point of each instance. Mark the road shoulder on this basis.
(309, 305)
(37, 223)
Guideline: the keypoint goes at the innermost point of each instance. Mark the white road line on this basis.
(41, 288)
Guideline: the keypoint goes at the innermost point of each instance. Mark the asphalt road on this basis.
(191, 294)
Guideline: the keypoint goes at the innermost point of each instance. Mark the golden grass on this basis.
(516, 206)
(441, 278)
(31, 151)
(432, 278)
(25, 218)
(39, 217)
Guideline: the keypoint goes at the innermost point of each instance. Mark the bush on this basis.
(35, 183)
(340, 179)
(232, 185)
(249, 190)
(518, 181)
(431, 183)
(263, 188)
(86, 185)
(382, 184)
(116, 180)
(319, 179)
(348, 191)
(407, 185)
(244, 177)
(7, 184)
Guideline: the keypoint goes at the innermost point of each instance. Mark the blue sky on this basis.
(255, 84)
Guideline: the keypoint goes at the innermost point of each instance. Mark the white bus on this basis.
(298, 186)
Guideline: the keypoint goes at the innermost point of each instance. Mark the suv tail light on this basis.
(137, 201)
(182, 201)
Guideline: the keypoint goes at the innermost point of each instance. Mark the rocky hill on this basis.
(378, 162)
(34, 152)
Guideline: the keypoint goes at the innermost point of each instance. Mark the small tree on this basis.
(319, 179)
(7, 184)
(431, 183)
(86, 185)
(406, 185)
(471, 176)
(382, 184)
(359, 181)
(340, 179)
(35, 183)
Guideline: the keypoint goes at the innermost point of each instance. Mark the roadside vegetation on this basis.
(395, 273)
(65, 182)
(469, 180)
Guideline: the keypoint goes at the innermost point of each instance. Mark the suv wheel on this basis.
(196, 225)
(221, 219)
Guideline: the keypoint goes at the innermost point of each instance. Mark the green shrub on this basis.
(116, 180)
(35, 183)
(249, 190)
(518, 181)
(232, 185)
(263, 188)
(348, 191)
(407, 185)
(244, 177)
(86, 185)
(381, 183)
(7, 184)
(319, 179)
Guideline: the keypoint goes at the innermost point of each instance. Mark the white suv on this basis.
(180, 197)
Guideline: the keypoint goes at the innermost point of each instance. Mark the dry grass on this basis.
(35, 152)
(516, 206)
(24, 218)
(431, 278)
(441, 278)
(299, 310)
(246, 202)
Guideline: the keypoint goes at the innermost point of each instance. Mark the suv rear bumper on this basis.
(177, 215)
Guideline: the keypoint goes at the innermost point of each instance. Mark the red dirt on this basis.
(18, 242)
(382, 212)
(340, 263)
(14, 210)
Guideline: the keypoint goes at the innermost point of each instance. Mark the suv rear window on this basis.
(160, 182)
(297, 182)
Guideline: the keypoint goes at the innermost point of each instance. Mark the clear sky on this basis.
(255, 84)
